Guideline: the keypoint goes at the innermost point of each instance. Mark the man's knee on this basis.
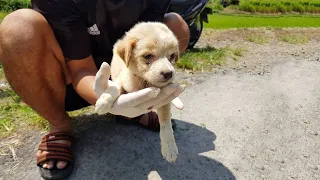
(179, 27)
(21, 29)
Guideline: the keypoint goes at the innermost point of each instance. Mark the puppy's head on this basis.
(150, 50)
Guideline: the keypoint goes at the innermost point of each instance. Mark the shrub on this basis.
(2, 4)
(298, 8)
(234, 7)
(312, 9)
(235, 2)
(281, 8)
(289, 8)
(217, 7)
(12, 5)
(229, 2)
(261, 9)
(247, 7)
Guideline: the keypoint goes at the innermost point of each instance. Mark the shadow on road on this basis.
(106, 150)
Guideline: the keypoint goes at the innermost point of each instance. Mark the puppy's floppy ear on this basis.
(125, 48)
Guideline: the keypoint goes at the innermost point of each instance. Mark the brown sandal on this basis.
(153, 121)
(56, 152)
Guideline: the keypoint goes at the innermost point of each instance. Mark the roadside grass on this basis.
(294, 39)
(237, 52)
(227, 21)
(1, 72)
(204, 59)
(258, 39)
(14, 114)
(2, 15)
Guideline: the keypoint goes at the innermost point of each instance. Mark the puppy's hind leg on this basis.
(169, 148)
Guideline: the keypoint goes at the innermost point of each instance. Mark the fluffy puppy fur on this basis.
(144, 57)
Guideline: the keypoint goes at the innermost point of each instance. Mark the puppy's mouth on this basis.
(159, 83)
(158, 78)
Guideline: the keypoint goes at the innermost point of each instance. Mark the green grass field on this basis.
(225, 21)
(2, 15)
(280, 6)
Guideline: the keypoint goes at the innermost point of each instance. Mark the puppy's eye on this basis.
(172, 58)
(148, 56)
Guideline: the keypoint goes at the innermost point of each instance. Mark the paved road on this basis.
(234, 126)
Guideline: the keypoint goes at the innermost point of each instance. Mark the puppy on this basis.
(145, 57)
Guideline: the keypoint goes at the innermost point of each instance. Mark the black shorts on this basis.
(73, 100)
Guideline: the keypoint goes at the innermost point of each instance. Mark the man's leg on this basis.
(30, 57)
(180, 28)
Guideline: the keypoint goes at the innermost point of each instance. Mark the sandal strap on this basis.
(57, 136)
(56, 151)
(56, 147)
(136, 119)
(54, 156)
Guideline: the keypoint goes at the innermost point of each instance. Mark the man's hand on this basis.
(135, 103)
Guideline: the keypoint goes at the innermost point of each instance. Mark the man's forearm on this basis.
(83, 84)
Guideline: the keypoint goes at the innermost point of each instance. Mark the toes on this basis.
(45, 165)
(61, 164)
(50, 164)
(38, 153)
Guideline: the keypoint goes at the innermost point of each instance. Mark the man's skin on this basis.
(35, 67)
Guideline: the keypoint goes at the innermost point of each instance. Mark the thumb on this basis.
(101, 79)
(177, 103)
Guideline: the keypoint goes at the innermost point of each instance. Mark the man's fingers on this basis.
(135, 98)
(101, 79)
(172, 91)
(171, 98)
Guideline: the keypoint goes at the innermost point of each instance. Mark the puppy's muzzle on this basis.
(167, 75)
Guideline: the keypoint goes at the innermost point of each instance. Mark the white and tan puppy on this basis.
(145, 57)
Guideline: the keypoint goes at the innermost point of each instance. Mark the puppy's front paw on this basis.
(106, 100)
(104, 104)
(169, 148)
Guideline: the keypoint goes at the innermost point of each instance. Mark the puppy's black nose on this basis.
(167, 75)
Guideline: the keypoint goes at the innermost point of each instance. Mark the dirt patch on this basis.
(257, 57)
